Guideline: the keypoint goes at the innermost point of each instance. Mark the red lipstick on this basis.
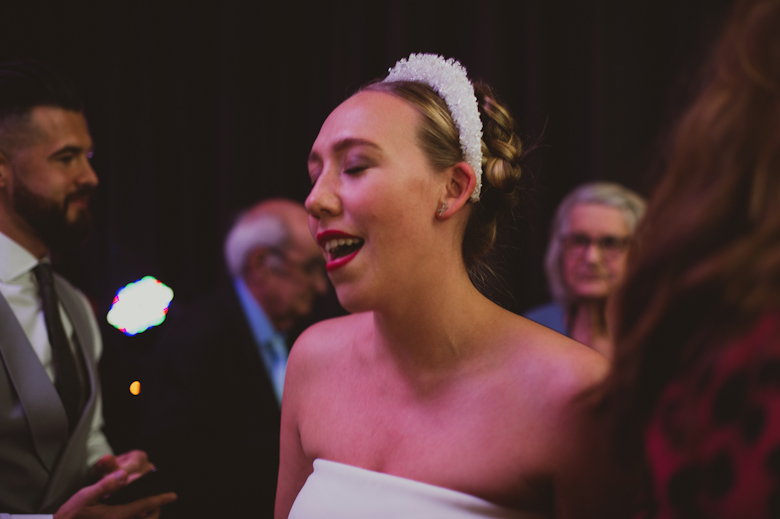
(334, 263)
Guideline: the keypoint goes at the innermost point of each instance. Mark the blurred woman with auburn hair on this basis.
(696, 382)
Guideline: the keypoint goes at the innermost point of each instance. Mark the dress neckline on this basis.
(446, 494)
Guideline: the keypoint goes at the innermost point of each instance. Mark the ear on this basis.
(460, 183)
(255, 264)
(5, 171)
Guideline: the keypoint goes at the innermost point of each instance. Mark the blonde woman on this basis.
(429, 400)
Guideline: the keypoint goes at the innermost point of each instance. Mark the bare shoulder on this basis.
(573, 449)
(561, 366)
(327, 343)
(325, 336)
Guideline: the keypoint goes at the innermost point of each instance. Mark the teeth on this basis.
(338, 242)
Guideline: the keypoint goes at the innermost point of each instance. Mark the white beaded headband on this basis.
(450, 80)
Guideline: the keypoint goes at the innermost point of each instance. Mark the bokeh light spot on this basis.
(140, 306)
(135, 387)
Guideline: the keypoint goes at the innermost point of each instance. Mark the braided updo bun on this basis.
(502, 150)
(501, 153)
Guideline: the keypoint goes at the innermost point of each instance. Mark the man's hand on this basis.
(86, 504)
(134, 463)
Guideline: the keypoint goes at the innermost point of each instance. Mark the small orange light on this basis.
(135, 387)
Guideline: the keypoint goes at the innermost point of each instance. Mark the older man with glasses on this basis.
(586, 260)
(212, 408)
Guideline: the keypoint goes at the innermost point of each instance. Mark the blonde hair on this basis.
(502, 150)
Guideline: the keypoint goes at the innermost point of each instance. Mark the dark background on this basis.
(200, 109)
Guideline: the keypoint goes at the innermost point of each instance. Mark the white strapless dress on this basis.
(338, 491)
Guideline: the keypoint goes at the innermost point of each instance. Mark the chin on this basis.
(585, 297)
(76, 212)
(591, 292)
(352, 300)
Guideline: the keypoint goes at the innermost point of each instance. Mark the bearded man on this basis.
(54, 458)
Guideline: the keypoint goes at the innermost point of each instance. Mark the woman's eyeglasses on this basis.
(610, 246)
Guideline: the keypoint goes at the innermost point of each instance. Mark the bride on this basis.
(429, 400)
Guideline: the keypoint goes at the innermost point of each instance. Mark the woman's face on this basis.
(594, 250)
(373, 201)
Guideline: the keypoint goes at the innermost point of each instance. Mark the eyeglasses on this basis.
(315, 267)
(610, 246)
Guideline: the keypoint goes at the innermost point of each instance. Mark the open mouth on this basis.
(340, 247)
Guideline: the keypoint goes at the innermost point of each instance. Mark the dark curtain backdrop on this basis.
(200, 109)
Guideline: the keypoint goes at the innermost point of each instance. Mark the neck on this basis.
(587, 324)
(20, 231)
(258, 292)
(434, 329)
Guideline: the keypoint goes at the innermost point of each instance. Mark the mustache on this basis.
(81, 193)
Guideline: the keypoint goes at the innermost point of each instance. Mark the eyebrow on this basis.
(343, 144)
(70, 148)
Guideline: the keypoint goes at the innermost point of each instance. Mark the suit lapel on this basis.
(75, 453)
(40, 401)
(84, 340)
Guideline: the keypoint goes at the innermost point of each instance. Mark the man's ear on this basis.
(5, 171)
(460, 181)
(255, 264)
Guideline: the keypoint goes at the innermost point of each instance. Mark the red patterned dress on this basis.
(714, 443)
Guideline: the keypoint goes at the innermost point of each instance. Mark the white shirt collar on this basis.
(16, 260)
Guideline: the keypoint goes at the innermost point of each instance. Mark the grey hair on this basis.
(249, 232)
(630, 205)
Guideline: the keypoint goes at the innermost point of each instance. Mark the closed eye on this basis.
(355, 169)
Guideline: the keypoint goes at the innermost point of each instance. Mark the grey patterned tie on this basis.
(66, 375)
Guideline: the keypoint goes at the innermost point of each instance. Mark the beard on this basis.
(49, 219)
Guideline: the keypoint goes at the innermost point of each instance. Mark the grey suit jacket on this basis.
(40, 467)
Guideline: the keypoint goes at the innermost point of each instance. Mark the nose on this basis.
(593, 253)
(323, 200)
(88, 176)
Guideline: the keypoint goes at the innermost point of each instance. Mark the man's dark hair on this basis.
(26, 84)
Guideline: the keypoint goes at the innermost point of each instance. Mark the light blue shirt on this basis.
(550, 315)
(270, 343)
